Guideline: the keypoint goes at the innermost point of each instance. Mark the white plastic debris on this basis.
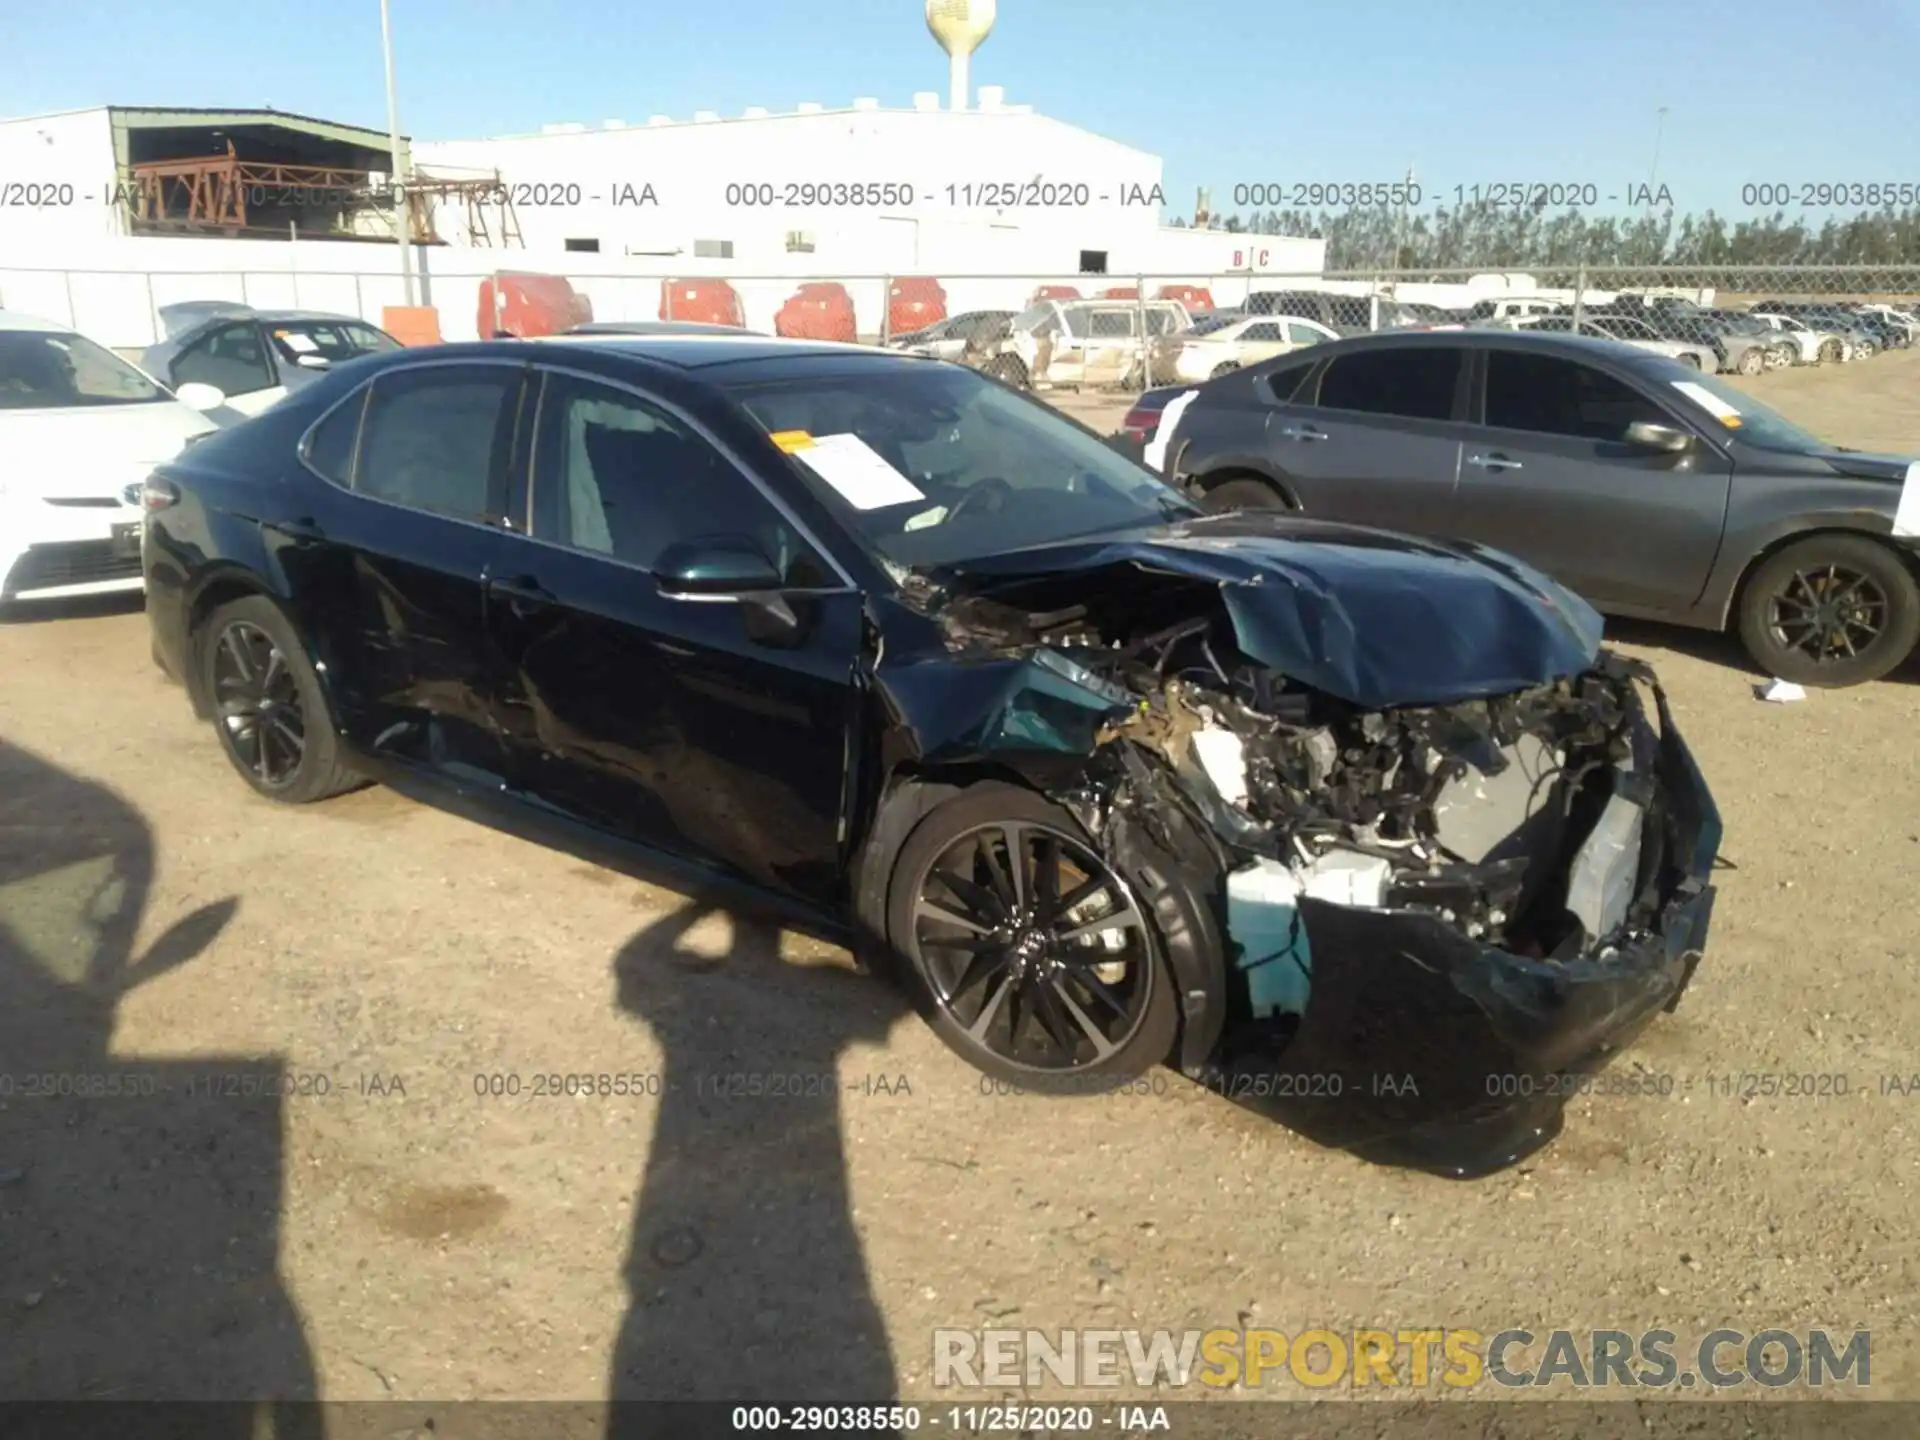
(1223, 756)
(1781, 691)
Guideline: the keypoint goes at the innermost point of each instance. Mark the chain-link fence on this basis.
(1064, 332)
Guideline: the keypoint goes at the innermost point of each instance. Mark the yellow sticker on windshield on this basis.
(792, 440)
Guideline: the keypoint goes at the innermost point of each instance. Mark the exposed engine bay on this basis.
(1518, 819)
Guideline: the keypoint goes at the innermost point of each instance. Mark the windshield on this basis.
(1758, 425)
(48, 370)
(335, 341)
(977, 469)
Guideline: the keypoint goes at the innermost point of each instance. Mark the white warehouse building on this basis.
(858, 190)
(133, 208)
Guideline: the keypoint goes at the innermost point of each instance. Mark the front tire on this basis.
(1225, 367)
(1245, 494)
(268, 708)
(1026, 952)
(1752, 361)
(1830, 611)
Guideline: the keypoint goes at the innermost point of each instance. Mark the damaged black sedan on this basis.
(1366, 830)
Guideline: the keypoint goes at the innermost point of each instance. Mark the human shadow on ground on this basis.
(140, 1199)
(746, 1276)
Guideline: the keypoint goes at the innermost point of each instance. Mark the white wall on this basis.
(58, 175)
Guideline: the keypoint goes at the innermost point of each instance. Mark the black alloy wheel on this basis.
(1830, 611)
(258, 705)
(1034, 960)
(267, 704)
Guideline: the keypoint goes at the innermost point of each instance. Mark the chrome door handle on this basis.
(1302, 432)
(1494, 462)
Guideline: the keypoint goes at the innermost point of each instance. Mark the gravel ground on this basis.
(406, 1236)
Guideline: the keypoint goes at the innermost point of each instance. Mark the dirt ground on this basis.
(411, 1235)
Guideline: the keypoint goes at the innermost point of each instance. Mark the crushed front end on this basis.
(1430, 917)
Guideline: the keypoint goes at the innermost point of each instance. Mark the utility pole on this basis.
(402, 207)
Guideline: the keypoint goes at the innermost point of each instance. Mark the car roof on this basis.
(693, 351)
(655, 327)
(14, 320)
(1572, 347)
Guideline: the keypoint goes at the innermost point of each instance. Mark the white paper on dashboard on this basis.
(298, 343)
(1156, 453)
(1906, 515)
(1706, 400)
(855, 469)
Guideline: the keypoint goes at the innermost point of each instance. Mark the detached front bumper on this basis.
(1423, 1047)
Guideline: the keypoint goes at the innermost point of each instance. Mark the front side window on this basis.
(976, 469)
(437, 438)
(1552, 396)
(1414, 383)
(49, 370)
(1108, 325)
(616, 476)
(232, 359)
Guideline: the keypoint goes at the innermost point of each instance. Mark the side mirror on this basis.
(718, 565)
(313, 362)
(1650, 436)
(200, 396)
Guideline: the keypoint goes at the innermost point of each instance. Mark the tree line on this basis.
(1491, 236)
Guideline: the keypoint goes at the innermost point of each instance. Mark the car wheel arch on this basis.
(1728, 608)
(1222, 474)
(1187, 910)
(222, 588)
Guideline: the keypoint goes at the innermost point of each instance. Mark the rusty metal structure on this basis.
(228, 195)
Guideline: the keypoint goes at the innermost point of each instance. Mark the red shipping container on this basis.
(703, 301)
(1054, 292)
(913, 303)
(817, 311)
(1123, 292)
(523, 306)
(1194, 297)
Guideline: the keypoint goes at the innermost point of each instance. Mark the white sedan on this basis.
(1215, 345)
(80, 430)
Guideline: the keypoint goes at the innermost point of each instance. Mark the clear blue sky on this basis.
(1228, 93)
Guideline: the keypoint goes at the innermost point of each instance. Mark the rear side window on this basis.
(1412, 383)
(1283, 383)
(438, 438)
(330, 447)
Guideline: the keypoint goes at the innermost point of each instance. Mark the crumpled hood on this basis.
(1369, 616)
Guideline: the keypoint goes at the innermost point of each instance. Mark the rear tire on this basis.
(269, 710)
(1245, 493)
(1797, 601)
(1009, 371)
(996, 986)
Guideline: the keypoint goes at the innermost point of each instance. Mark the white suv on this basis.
(80, 431)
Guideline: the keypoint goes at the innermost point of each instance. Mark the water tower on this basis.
(960, 26)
